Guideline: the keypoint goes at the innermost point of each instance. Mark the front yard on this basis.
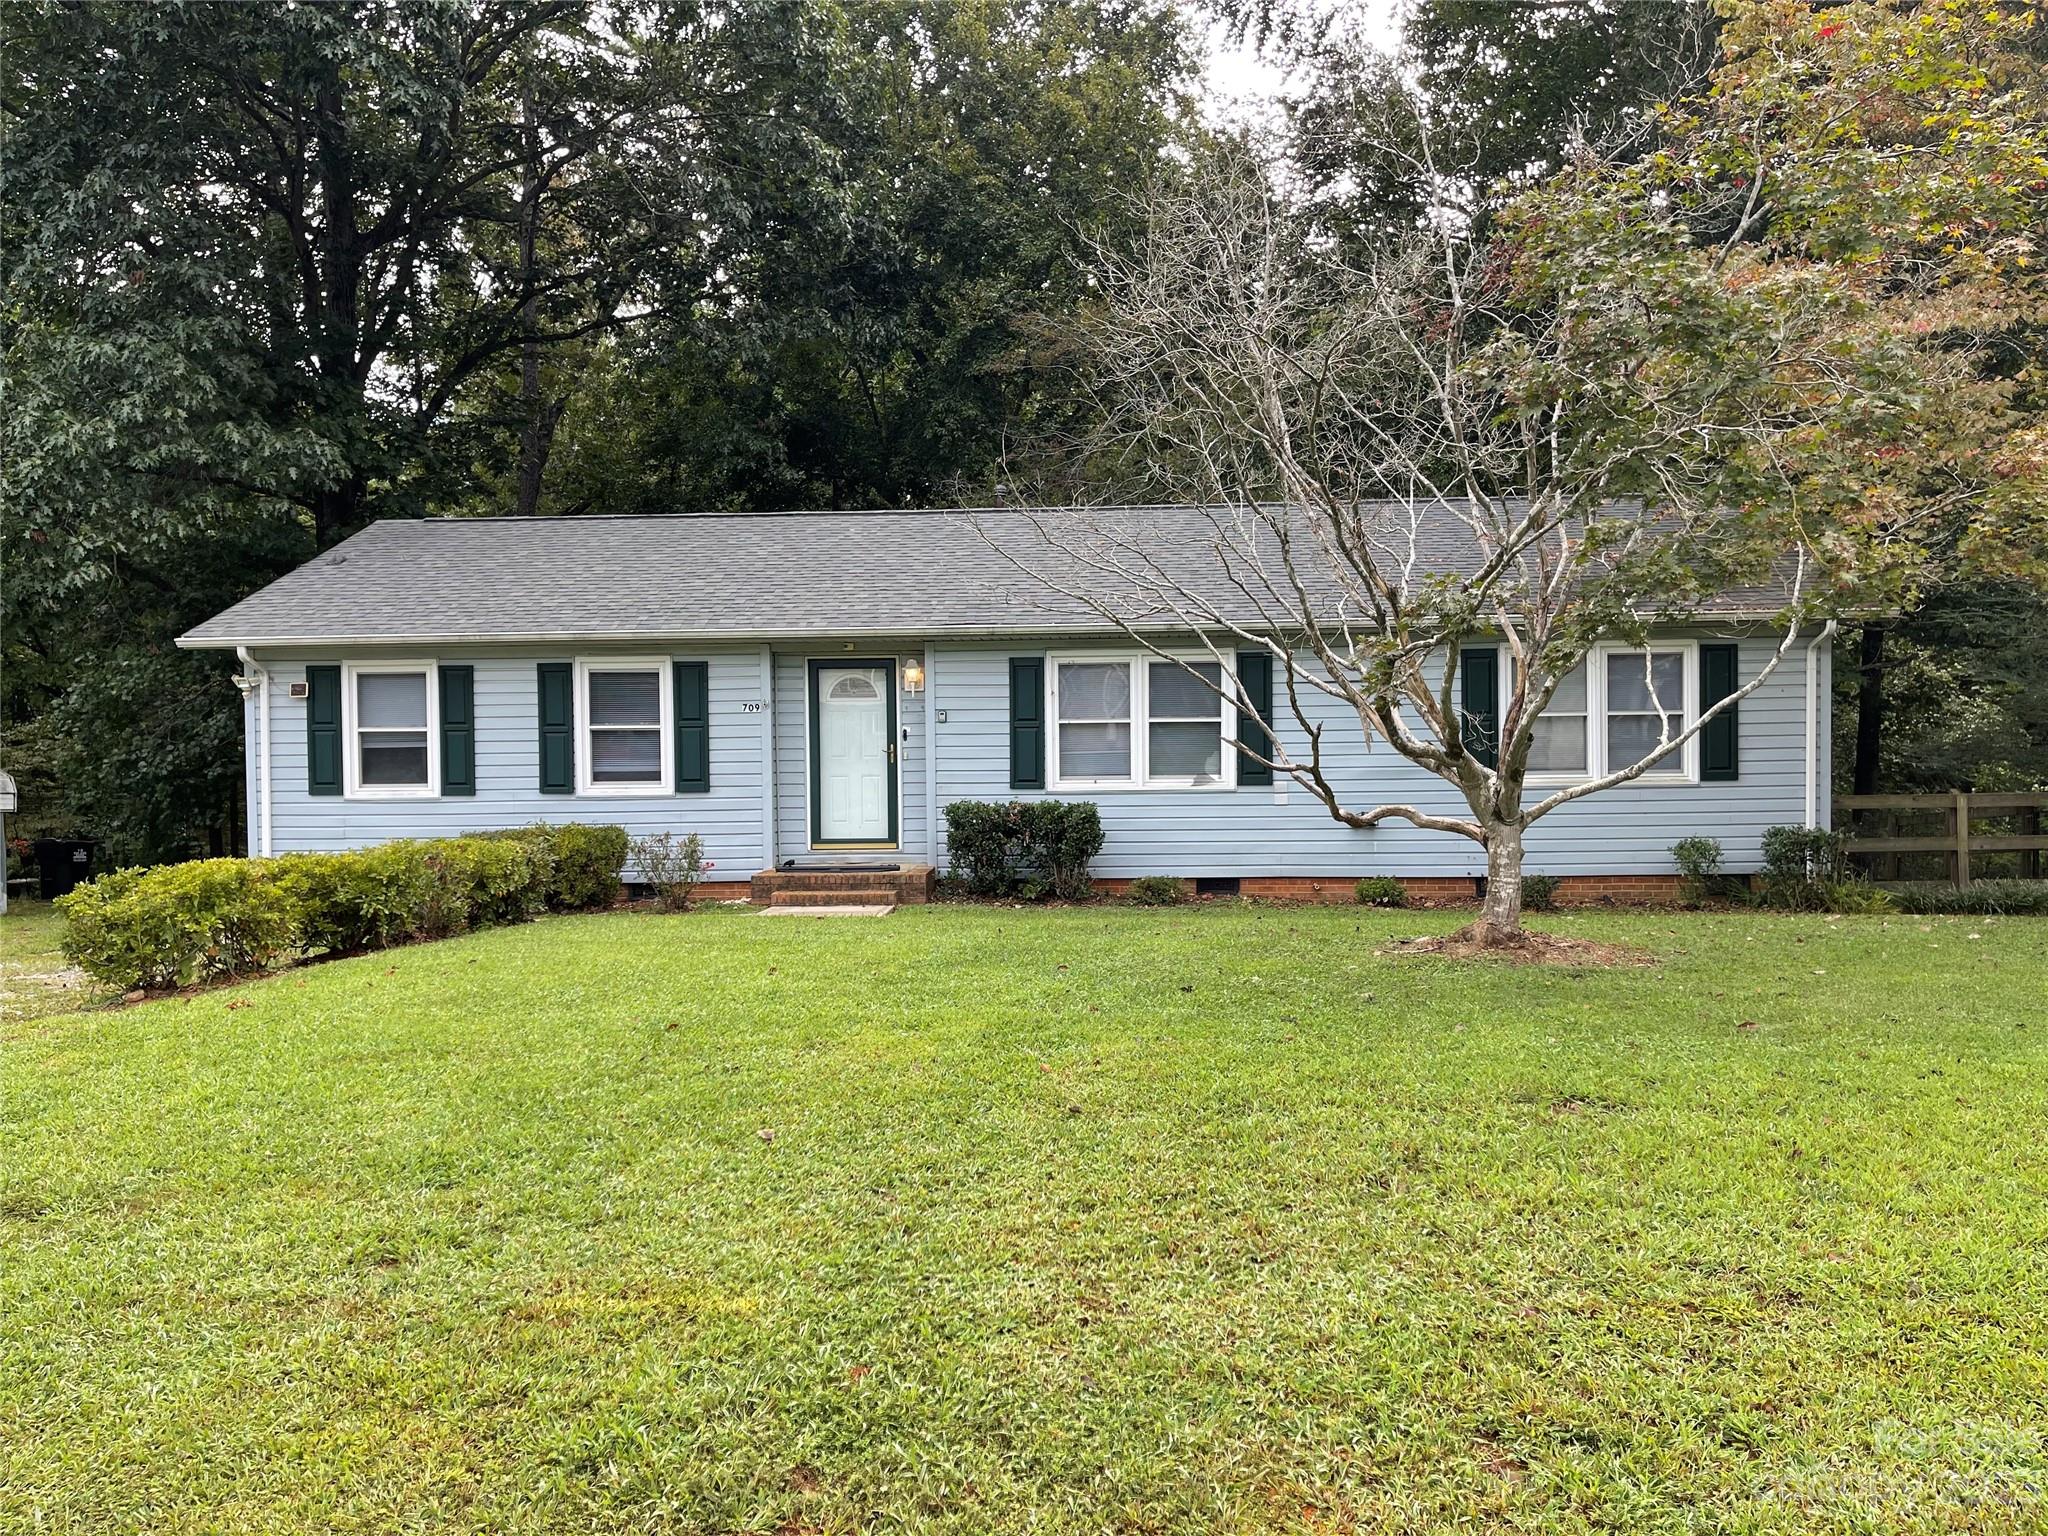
(975, 1220)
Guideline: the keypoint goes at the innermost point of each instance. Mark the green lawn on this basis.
(1093, 1220)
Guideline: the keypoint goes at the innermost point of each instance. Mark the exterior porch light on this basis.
(913, 677)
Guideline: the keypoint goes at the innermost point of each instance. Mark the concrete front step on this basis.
(912, 884)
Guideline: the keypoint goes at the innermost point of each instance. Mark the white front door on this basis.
(854, 775)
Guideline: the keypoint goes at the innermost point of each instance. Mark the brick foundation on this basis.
(724, 890)
(1572, 890)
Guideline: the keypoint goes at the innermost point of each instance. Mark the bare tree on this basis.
(1621, 411)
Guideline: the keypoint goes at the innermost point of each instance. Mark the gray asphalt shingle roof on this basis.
(748, 576)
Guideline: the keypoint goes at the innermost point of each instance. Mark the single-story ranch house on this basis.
(812, 688)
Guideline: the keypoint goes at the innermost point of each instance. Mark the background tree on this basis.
(1513, 86)
(274, 270)
(1741, 334)
(870, 345)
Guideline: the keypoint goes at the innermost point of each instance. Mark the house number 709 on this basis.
(752, 707)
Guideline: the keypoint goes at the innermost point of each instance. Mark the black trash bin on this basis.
(62, 863)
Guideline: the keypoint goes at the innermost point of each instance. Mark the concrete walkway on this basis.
(858, 911)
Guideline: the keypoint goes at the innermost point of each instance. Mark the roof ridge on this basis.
(566, 519)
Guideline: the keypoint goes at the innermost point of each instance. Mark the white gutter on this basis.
(1813, 743)
(261, 677)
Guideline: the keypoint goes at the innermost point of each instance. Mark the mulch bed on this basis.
(1527, 948)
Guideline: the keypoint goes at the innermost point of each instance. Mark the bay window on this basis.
(1127, 722)
(393, 743)
(623, 707)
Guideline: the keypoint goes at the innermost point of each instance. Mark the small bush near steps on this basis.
(673, 866)
(215, 918)
(1028, 848)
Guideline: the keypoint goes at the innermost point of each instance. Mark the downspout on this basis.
(261, 677)
(933, 842)
(1813, 723)
(768, 790)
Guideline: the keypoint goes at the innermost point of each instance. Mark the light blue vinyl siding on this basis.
(729, 818)
(1284, 830)
(1281, 830)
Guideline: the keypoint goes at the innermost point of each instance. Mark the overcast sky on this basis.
(1239, 80)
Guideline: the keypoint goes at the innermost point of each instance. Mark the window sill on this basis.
(1141, 789)
(1565, 781)
(392, 794)
(620, 791)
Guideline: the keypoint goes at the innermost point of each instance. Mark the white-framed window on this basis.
(1133, 722)
(1612, 709)
(624, 719)
(1649, 696)
(1562, 738)
(391, 724)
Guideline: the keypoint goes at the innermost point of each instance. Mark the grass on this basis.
(978, 1220)
(35, 978)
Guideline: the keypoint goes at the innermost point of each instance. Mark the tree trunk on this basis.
(537, 435)
(1870, 705)
(537, 414)
(1500, 919)
(338, 511)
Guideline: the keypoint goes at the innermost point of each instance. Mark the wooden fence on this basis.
(1872, 823)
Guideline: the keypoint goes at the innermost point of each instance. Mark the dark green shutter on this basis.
(557, 728)
(693, 727)
(1255, 679)
(1480, 670)
(458, 730)
(1720, 756)
(1027, 722)
(323, 730)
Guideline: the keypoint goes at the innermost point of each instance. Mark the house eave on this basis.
(196, 642)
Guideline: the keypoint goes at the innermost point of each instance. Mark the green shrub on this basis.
(978, 838)
(118, 940)
(364, 899)
(1983, 898)
(225, 917)
(1158, 891)
(1800, 864)
(1380, 891)
(1060, 839)
(1028, 848)
(538, 839)
(478, 882)
(588, 866)
(1699, 868)
(1856, 898)
(160, 927)
(582, 865)
(1539, 893)
(673, 865)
